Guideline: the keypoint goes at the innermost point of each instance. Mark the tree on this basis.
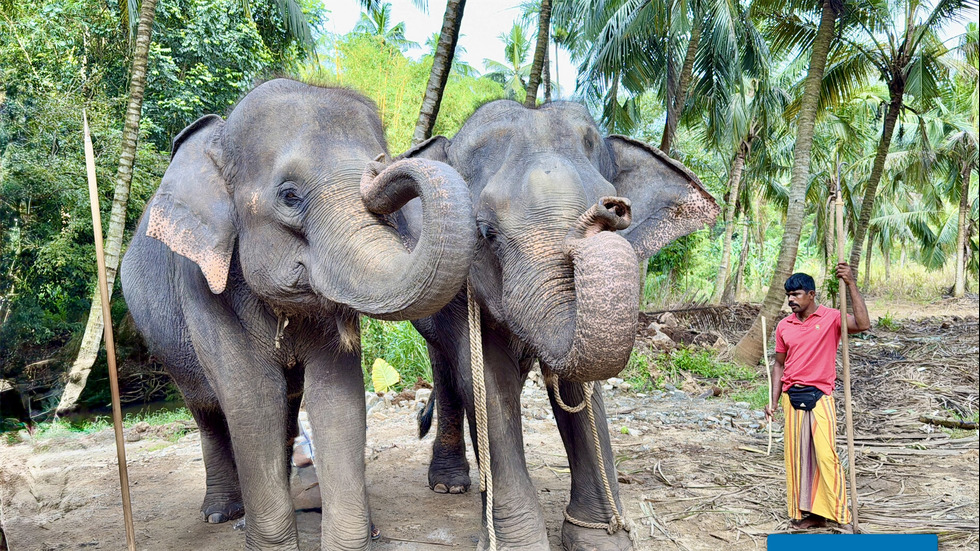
(540, 53)
(78, 375)
(442, 64)
(897, 39)
(513, 74)
(92, 337)
(749, 348)
(756, 113)
(377, 22)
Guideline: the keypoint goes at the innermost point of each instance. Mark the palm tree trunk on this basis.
(867, 262)
(546, 76)
(736, 287)
(749, 348)
(89, 350)
(867, 205)
(734, 180)
(442, 63)
(959, 283)
(678, 98)
(540, 53)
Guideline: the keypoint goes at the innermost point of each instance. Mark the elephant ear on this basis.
(192, 211)
(435, 148)
(667, 199)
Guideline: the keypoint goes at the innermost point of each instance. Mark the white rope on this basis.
(618, 521)
(480, 404)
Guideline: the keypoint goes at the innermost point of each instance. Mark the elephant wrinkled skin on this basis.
(564, 217)
(270, 234)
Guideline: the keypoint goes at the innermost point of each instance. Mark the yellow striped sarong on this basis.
(814, 476)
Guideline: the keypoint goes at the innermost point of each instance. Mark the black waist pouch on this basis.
(804, 398)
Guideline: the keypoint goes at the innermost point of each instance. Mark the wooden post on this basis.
(765, 354)
(847, 365)
(110, 347)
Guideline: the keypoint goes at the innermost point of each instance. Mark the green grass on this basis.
(887, 322)
(648, 370)
(82, 427)
(756, 394)
(399, 344)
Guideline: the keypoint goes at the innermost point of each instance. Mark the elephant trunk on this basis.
(390, 281)
(605, 276)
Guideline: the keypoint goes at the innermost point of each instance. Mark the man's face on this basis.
(799, 300)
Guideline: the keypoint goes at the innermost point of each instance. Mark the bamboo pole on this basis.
(110, 346)
(847, 365)
(765, 354)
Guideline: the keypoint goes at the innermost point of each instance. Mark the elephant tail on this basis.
(425, 416)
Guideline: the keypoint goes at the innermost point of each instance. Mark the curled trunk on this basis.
(392, 282)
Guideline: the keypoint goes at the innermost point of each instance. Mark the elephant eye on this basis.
(487, 231)
(289, 196)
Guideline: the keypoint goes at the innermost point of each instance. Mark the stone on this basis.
(743, 405)
(668, 319)
(423, 394)
(370, 399)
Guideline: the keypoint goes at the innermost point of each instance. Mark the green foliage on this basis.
(648, 370)
(887, 322)
(396, 84)
(73, 428)
(398, 344)
(756, 394)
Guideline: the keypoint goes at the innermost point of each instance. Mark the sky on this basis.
(483, 23)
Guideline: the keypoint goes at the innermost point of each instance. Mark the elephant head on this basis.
(293, 178)
(564, 216)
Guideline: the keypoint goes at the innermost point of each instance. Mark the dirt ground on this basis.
(693, 471)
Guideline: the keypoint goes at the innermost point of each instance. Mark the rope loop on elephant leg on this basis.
(552, 380)
(480, 405)
(618, 521)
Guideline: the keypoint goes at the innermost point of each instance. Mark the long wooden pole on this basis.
(847, 365)
(110, 347)
(765, 354)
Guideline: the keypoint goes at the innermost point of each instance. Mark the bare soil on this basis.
(693, 471)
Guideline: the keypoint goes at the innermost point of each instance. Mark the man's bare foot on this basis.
(808, 522)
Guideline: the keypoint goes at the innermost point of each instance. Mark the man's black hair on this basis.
(799, 282)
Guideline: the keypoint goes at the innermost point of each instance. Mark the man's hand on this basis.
(770, 412)
(845, 274)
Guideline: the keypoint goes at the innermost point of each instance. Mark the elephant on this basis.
(271, 233)
(564, 217)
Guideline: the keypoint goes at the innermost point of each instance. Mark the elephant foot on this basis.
(484, 545)
(216, 511)
(449, 477)
(577, 538)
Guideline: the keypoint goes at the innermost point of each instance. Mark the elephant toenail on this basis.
(216, 518)
(457, 489)
(440, 488)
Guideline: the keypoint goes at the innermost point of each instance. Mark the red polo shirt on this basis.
(811, 349)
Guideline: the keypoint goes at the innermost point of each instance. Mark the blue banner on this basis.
(853, 542)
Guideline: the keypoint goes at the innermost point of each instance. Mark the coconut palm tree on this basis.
(144, 13)
(749, 348)
(898, 41)
(755, 112)
(376, 21)
(513, 74)
(442, 64)
(540, 63)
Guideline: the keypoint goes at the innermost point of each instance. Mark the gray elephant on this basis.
(270, 234)
(564, 217)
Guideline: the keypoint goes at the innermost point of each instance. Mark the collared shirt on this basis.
(811, 349)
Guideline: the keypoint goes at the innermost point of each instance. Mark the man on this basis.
(806, 353)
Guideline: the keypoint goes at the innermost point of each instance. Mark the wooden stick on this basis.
(110, 347)
(847, 365)
(765, 354)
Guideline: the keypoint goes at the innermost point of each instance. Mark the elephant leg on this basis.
(449, 471)
(589, 502)
(335, 406)
(223, 499)
(517, 516)
(257, 421)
